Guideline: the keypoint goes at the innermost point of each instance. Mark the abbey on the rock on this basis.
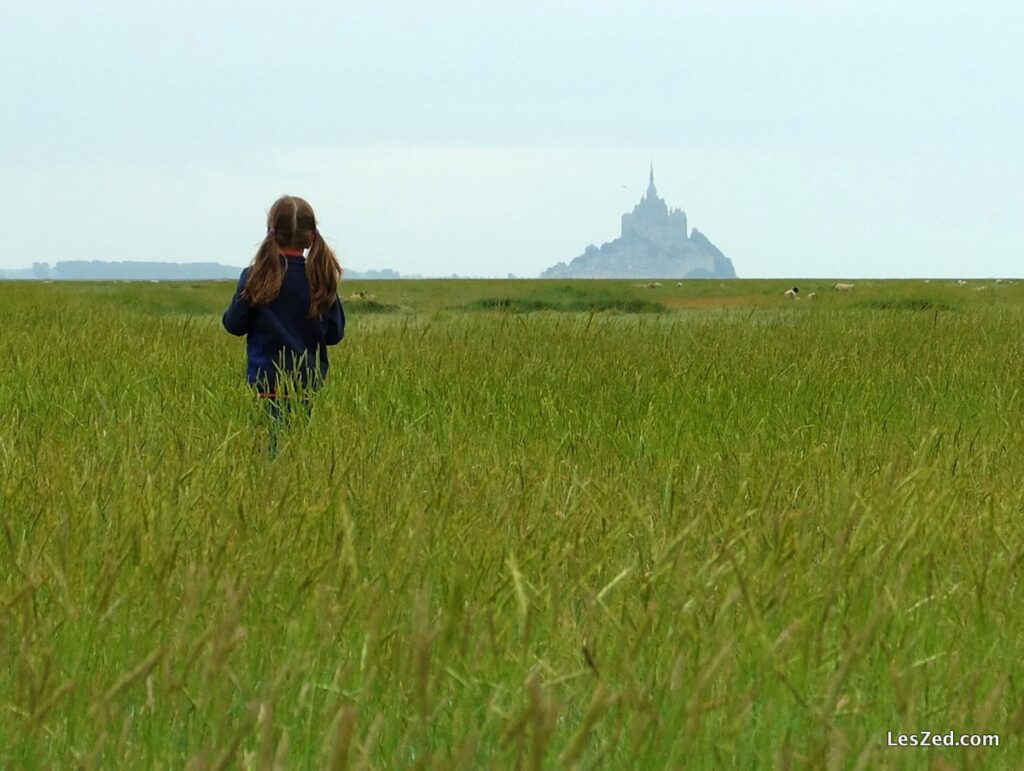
(654, 244)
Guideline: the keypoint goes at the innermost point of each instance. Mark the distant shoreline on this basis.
(137, 270)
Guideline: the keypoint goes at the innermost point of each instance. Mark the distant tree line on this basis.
(135, 270)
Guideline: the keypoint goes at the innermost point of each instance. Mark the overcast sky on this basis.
(848, 138)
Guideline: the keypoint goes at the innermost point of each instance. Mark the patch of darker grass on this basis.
(577, 305)
(907, 304)
(183, 306)
(369, 306)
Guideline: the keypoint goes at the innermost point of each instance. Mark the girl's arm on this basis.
(335, 323)
(238, 317)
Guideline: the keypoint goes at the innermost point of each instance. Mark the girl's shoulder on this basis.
(242, 278)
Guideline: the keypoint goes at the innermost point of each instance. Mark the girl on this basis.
(288, 306)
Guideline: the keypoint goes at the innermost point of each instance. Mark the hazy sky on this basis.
(847, 138)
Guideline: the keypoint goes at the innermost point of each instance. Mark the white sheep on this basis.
(841, 287)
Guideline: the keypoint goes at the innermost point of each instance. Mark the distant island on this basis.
(653, 244)
(137, 270)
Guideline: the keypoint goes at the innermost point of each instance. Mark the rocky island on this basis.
(654, 244)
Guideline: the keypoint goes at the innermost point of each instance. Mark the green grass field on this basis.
(527, 525)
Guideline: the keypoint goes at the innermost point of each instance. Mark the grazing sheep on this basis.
(812, 294)
(792, 293)
(961, 282)
(841, 287)
(679, 283)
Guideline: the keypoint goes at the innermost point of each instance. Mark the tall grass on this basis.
(754, 538)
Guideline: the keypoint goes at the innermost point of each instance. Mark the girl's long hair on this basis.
(291, 224)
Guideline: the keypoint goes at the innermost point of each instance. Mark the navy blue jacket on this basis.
(280, 334)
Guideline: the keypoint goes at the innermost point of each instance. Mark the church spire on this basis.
(651, 191)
